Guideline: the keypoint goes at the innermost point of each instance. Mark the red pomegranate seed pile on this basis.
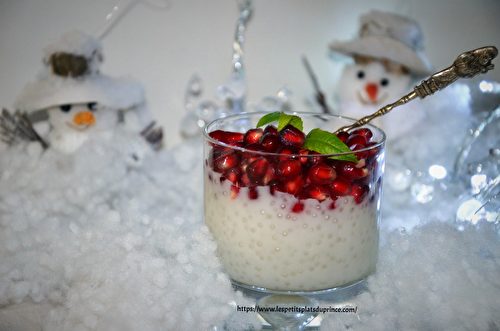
(300, 172)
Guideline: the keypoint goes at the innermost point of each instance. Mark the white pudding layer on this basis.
(261, 242)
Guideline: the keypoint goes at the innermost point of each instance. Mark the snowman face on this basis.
(73, 124)
(372, 83)
(78, 117)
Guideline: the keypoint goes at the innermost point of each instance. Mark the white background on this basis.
(163, 48)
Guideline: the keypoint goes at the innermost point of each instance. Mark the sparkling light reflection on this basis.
(437, 171)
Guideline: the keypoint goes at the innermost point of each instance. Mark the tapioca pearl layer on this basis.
(263, 243)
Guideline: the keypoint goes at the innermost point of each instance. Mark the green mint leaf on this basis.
(285, 119)
(325, 142)
(317, 140)
(268, 118)
(282, 119)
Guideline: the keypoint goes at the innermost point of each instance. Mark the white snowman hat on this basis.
(389, 36)
(71, 75)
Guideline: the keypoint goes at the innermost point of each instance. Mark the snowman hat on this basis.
(389, 36)
(71, 75)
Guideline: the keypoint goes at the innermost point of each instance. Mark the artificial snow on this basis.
(438, 276)
(105, 241)
(114, 245)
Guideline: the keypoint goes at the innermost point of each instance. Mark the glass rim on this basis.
(317, 115)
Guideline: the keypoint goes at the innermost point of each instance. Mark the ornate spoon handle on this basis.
(466, 65)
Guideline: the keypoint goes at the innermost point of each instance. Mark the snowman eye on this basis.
(65, 108)
(92, 106)
(384, 82)
(361, 74)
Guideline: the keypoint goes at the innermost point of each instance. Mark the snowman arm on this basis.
(18, 126)
(153, 135)
(320, 96)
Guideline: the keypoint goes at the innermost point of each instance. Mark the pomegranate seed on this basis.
(251, 147)
(237, 144)
(271, 129)
(372, 153)
(359, 192)
(269, 142)
(252, 193)
(290, 135)
(314, 157)
(298, 207)
(233, 137)
(274, 185)
(349, 170)
(321, 174)
(340, 187)
(270, 175)
(253, 136)
(234, 191)
(367, 133)
(219, 135)
(245, 162)
(215, 153)
(245, 181)
(254, 147)
(304, 152)
(316, 192)
(288, 169)
(294, 186)
(303, 173)
(343, 136)
(286, 150)
(212, 157)
(332, 205)
(233, 174)
(318, 158)
(260, 171)
(367, 179)
(356, 139)
(227, 161)
(257, 169)
(360, 155)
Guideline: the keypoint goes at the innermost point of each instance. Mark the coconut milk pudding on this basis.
(262, 242)
(287, 214)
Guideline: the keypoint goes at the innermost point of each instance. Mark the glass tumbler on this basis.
(292, 220)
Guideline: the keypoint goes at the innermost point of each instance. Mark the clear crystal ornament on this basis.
(232, 95)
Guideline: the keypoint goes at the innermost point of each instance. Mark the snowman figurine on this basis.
(78, 99)
(388, 56)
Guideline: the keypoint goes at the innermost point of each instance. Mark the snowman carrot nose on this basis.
(84, 118)
(372, 90)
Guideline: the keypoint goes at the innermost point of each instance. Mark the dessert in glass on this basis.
(286, 216)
